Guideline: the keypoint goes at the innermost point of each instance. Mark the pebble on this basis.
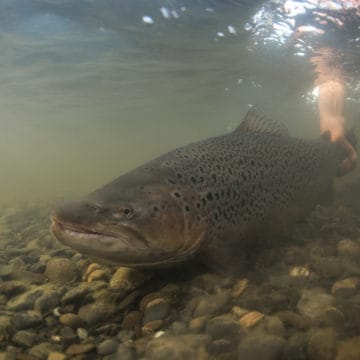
(177, 347)
(296, 347)
(107, 347)
(314, 302)
(72, 320)
(131, 319)
(151, 326)
(24, 338)
(198, 324)
(322, 344)
(61, 270)
(222, 325)
(27, 319)
(212, 304)
(82, 333)
(24, 301)
(123, 352)
(299, 271)
(47, 301)
(148, 298)
(251, 319)
(346, 287)
(99, 274)
(75, 295)
(77, 349)
(128, 279)
(239, 288)
(97, 312)
(54, 355)
(156, 309)
(274, 326)
(261, 346)
(292, 319)
(348, 248)
(42, 350)
(349, 349)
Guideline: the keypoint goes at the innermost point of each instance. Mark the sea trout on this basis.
(211, 198)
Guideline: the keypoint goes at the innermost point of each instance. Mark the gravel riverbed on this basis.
(298, 300)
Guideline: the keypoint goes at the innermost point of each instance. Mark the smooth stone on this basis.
(212, 304)
(251, 319)
(314, 302)
(346, 287)
(27, 319)
(348, 248)
(131, 319)
(177, 347)
(349, 349)
(24, 338)
(42, 350)
(77, 349)
(239, 288)
(223, 326)
(329, 267)
(56, 356)
(261, 346)
(198, 324)
(47, 301)
(127, 279)
(72, 320)
(296, 347)
(274, 326)
(123, 352)
(24, 301)
(292, 319)
(107, 347)
(151, 326)
(156, 309)
(125, 335)
(75, 295)
(147, 299)
(98, 274)
(96, 312)
(61, 270)
(322, 344)
(12, 288)
(6, 327)
(67, 334)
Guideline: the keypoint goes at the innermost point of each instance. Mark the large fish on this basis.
(211, 198)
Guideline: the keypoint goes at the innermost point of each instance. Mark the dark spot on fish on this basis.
(155, 208)
(209, 196)
(187, 208)
(177, 194)
(171, 181)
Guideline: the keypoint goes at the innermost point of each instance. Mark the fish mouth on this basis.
(126, 249)
(97, 243)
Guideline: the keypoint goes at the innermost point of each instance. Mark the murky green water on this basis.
(92, 88)
(89, 90)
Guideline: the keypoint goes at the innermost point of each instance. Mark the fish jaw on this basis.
(122, 249)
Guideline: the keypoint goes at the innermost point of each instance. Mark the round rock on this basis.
(61, 270)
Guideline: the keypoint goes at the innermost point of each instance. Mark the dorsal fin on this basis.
(255, 122)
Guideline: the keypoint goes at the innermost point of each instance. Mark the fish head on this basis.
(140, 226)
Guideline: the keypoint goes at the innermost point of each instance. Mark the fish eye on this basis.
(128, 212)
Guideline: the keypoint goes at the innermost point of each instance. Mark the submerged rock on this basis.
(61, 270)
(261, 346)
(177, 347)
